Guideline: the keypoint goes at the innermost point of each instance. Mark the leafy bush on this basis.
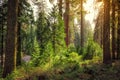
(74, 57)
(71, 48)
(91, 50)
(63, 61)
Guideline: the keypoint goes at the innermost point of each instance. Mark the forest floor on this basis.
(97, 71)
(92, 71)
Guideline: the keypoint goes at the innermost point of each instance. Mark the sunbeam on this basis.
(92, 8)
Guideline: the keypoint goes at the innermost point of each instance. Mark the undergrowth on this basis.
(67, 65)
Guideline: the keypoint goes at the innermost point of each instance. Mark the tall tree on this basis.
(1, 35)
(82, 27)
(118, 31)
(66, 20)
(11, 39)
(3, 8)
(113, 30)
(57, 31)
(18, 59)
(106, 33)
(42, 31)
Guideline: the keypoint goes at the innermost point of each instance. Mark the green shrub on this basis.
(39, 59)
(91, 50)
(62, 61)
(71, 48)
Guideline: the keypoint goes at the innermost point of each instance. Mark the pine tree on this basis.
(27, 29)
(57, 31)
(43, 31)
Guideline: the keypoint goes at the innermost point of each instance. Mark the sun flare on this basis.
(92, 9)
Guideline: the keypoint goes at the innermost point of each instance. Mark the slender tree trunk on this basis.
(118, 31)
(2, 44)
(113, 30)
(82, 27)
(11, 39)
(19, 56)
(106, 33)
(66, 16)
(1, 38)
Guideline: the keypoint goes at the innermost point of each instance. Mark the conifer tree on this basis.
(42, 31)
(57, 31)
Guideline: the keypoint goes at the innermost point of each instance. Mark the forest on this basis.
(59, 39)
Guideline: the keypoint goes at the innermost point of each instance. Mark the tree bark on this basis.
(1, 37)
(19, 56)
(11, 39)
(118, 31)
(106, 33)
(113, 30)
(82, 27)
(66, 18)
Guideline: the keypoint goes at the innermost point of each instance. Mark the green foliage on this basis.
(43, 31)
(72, 48)
(27, 67)
(50, 38)
(28, 39)
(91, 50)
(27, 27)
(75, 57)
(57, 31)
(12, 76)
(43, 44)
(62, 61)
(41, 59)
(25, 12)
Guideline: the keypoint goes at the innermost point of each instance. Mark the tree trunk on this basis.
(118, 31)
(113, 30)
(66, 18)
(106, 33)
(19, 56)
(82, 27)
(1, 38)
(11, 39)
